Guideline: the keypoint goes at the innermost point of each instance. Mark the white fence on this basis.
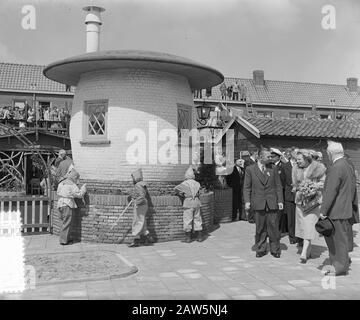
(35, 212)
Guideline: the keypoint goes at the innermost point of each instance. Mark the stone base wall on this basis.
(223, 205)
(115, 187)
(92, 222)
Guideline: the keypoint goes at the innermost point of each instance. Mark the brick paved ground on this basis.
(222, 267)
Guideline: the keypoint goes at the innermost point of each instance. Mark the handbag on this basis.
(310, 205)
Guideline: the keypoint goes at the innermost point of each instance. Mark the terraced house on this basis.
(263, 112)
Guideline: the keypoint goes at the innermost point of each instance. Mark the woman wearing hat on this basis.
(67, 191)
(140, 196)
(308, 178)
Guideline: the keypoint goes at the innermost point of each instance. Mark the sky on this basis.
(285, 38)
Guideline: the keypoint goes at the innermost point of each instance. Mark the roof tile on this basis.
(23, 76)
(314, 128)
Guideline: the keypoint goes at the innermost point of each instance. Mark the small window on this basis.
(184, 118)
(264, 114)
(19, 104)
(296, 115)
(340, 116)
(325, 116)
(95, 120)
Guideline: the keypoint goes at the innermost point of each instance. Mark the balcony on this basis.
(56, 127)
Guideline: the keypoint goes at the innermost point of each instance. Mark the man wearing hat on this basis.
(63, 163)
(289, 195)
(140, 196)
(340, 204)
(67, 191)
(189, 191)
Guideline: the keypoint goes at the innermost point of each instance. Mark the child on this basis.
(140, 196)
(189, 190)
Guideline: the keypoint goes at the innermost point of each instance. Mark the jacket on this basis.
(262, 188)
(189, 189)
(67, 191)
(140, 194)
(340, 196)
(286, 181)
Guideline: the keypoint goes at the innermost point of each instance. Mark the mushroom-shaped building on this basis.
(127, 106)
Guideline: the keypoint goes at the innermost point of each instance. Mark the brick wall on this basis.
(223, 205)
(92, 223)
(135, 97)
(157, 188)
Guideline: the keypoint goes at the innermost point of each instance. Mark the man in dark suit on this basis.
(263, 194)
(340, 203)
(278, 161)
(236, 181)
(289, 195)
(254, 155)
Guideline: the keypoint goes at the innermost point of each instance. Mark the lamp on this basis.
(203, 111)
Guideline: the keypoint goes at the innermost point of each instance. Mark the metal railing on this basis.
(59, 127)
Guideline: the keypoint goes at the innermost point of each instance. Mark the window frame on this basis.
(190, 109)
(325, 114)
(263, 112)
(19, 100)
(94, 139)
(296, 115)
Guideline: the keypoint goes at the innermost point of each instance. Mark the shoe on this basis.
(199, 236)
(276, 255)
(333, 274)
(135, 243)
(148, 241)
(260, 254)
(69, 242)
(293, 242)
(303, 260)
(187, 237)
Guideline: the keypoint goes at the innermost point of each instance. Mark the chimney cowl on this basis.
(93, 23)
(352, 84)
(258, 77)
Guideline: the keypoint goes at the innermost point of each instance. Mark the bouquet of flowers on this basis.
(308, 195)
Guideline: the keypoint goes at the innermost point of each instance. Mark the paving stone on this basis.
(299, 283)
(222, 267)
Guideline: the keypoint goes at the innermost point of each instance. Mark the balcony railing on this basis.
(59, 127)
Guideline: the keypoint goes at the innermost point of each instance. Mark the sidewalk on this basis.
(222, 267)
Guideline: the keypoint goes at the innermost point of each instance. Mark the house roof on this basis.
(20, 77)
(310, 128)
(294, 93)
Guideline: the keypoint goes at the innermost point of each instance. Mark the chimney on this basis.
(352, 84)
(93, 23)
(258, 77)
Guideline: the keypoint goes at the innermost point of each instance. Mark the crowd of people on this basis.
(235, 91)
(27, 115)
(290, 192)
